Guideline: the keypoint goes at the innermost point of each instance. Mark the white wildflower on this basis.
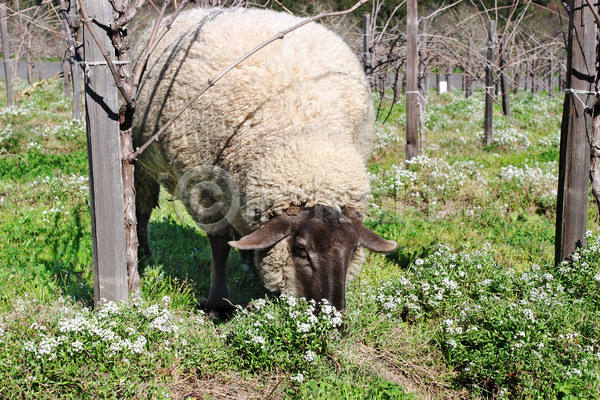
(29, 346)
(327, 309)
(303, 327)
(20, 305)
(258, 339)
(310, 356)
(259, 303)
(151, 311)
(336, 321)
(139, 344)
(35, 325)
(77, 346)
(291, 301)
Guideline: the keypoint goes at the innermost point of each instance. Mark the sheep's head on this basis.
(322, 245)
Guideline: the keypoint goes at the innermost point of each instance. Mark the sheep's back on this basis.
(309, 78)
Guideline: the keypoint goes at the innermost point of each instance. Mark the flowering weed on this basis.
(112, 352)
(286, 334)
(520, 334)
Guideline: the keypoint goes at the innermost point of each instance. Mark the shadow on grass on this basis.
(413, 237)
(71, 257)
(179, 266)
(181, 253)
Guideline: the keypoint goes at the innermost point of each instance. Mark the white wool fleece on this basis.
(291, 125)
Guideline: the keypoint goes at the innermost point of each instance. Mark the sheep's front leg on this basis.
(146, 199)
(219, 249)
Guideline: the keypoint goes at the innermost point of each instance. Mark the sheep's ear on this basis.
(368, 238)
(266, 236)
(374, 242)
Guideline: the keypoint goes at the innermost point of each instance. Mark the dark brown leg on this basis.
(146, 199)
(219, 249)
(247, 256)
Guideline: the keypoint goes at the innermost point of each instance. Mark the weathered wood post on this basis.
(104, 156)
(449, 77)
(366, 34)
(469, 78)
(423, 85)
(40, 68)
(551, 77)
(423, 67)
(438, 79)
(526, 74)
(504, 85)
(574, 164)
(488, 129)
(74, 61)
(518, 70)
(412, 93)
(561, 79)
(534, 82)
(66, 71)
(29, 60)
(397, 85)
(8, 72)
(26, 41)
(403, 89)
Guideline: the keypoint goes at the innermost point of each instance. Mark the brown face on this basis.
(322, 243)
(322, 248)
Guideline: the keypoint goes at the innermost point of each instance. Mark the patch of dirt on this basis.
(410, 363)
(231, 386)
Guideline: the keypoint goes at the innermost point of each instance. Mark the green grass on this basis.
(469, 306)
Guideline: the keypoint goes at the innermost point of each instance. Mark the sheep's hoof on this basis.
(217, 311)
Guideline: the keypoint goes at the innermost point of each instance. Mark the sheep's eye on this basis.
(300, 250)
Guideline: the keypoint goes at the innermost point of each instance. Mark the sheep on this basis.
(273, 155)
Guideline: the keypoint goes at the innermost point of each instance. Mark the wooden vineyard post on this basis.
(412, 93)
(397, 85)
(438, 79)
(366, 55)
(488, 129)
(104, 156)
(469, 78)
(8, 73)
(574, 164)
(526, 75)
(504, 86)
(551, 77)
(75, 68)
